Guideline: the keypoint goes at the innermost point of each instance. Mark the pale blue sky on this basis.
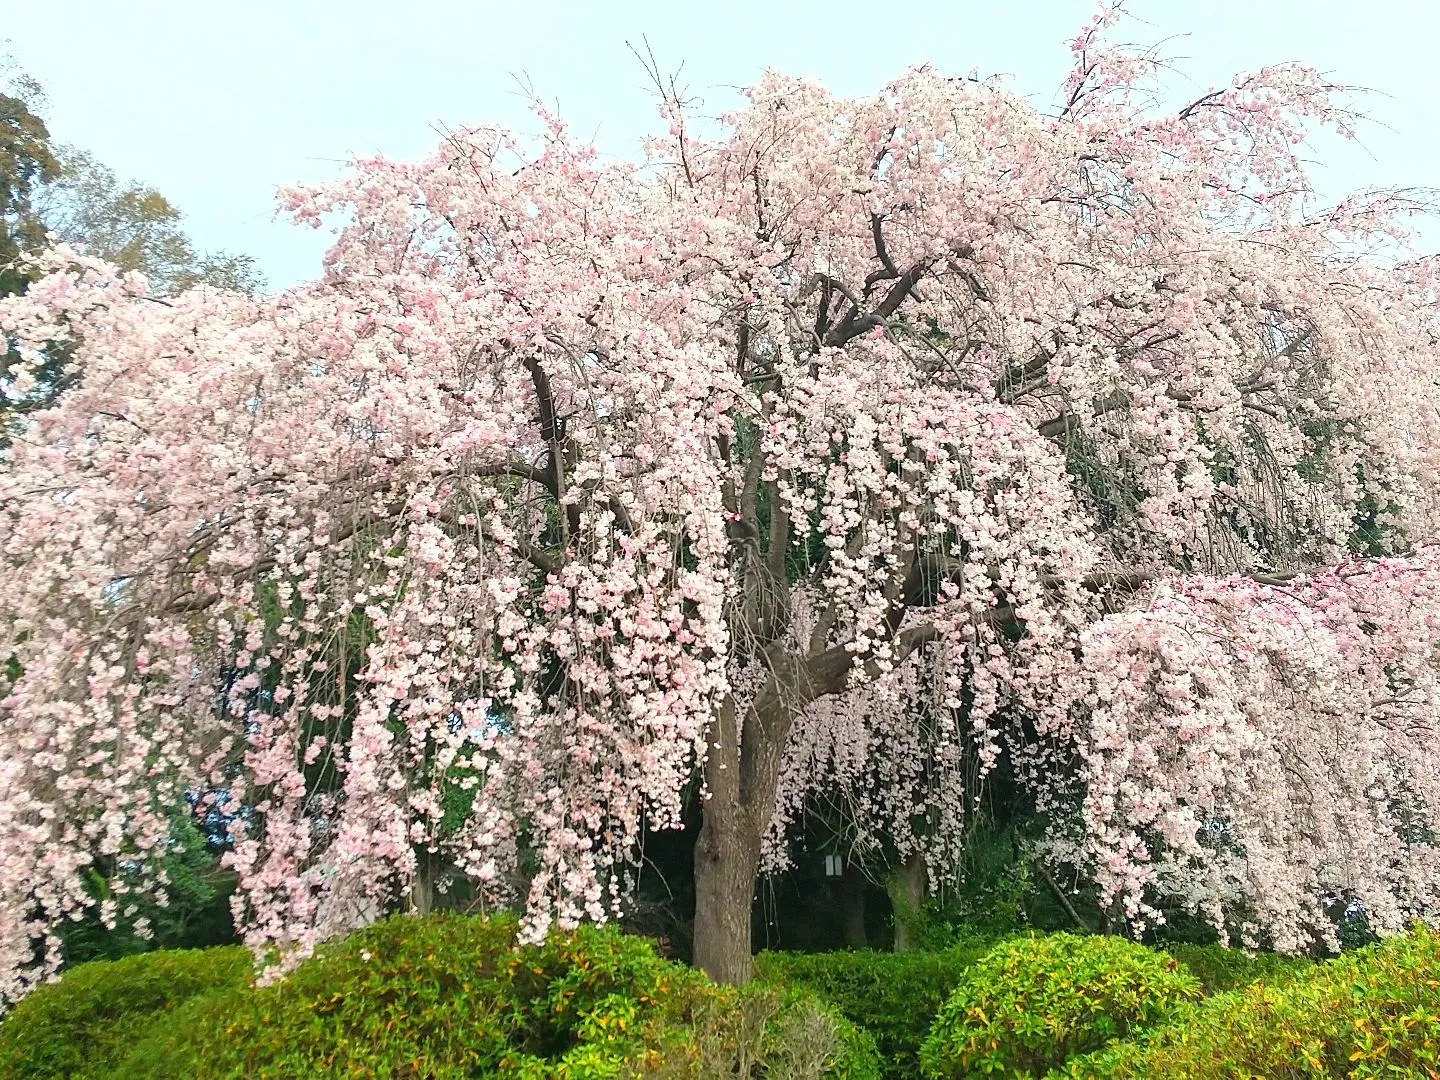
(215, 102)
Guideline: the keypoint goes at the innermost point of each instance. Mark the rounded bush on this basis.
(1031, 1002)
(1371, 1013)
(84, 1024)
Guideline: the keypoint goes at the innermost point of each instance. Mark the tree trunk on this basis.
(742, 773)
(852, 891)
(727, 857)
(740, 798)
(422, 886)
(906, 885)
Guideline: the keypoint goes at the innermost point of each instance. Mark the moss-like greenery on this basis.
(452, 996)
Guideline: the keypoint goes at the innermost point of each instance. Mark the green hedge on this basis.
(451, 996)
(1220, 969)
(1372, 1013)
(1032, 1002)
(86, 1023)
(895, 996)
(441, 997)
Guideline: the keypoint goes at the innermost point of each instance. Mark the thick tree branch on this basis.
(855, 323)
(551, 431)
(887, 269)
(521, 469)
(1064, 901)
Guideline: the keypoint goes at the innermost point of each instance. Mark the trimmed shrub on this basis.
(1371, 1013)
(895, 996)
(86, 1023)
(763, 1030)
(1220, 969)
(450, 996)
(1032, 1002)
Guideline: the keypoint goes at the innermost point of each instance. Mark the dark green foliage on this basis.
(1371, 1013)
(1002, 886)
(1220, 969)
(1032, 1002)
(85, 1024)
(450, 997)
(997, 889)
(895, 996)
(196, 915)
(27, 161)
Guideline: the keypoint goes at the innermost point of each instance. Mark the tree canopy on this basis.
(52, 192)
(862, 435)
(133, 227)
(27, 161)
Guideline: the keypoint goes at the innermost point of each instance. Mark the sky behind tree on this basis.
(216, 104)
